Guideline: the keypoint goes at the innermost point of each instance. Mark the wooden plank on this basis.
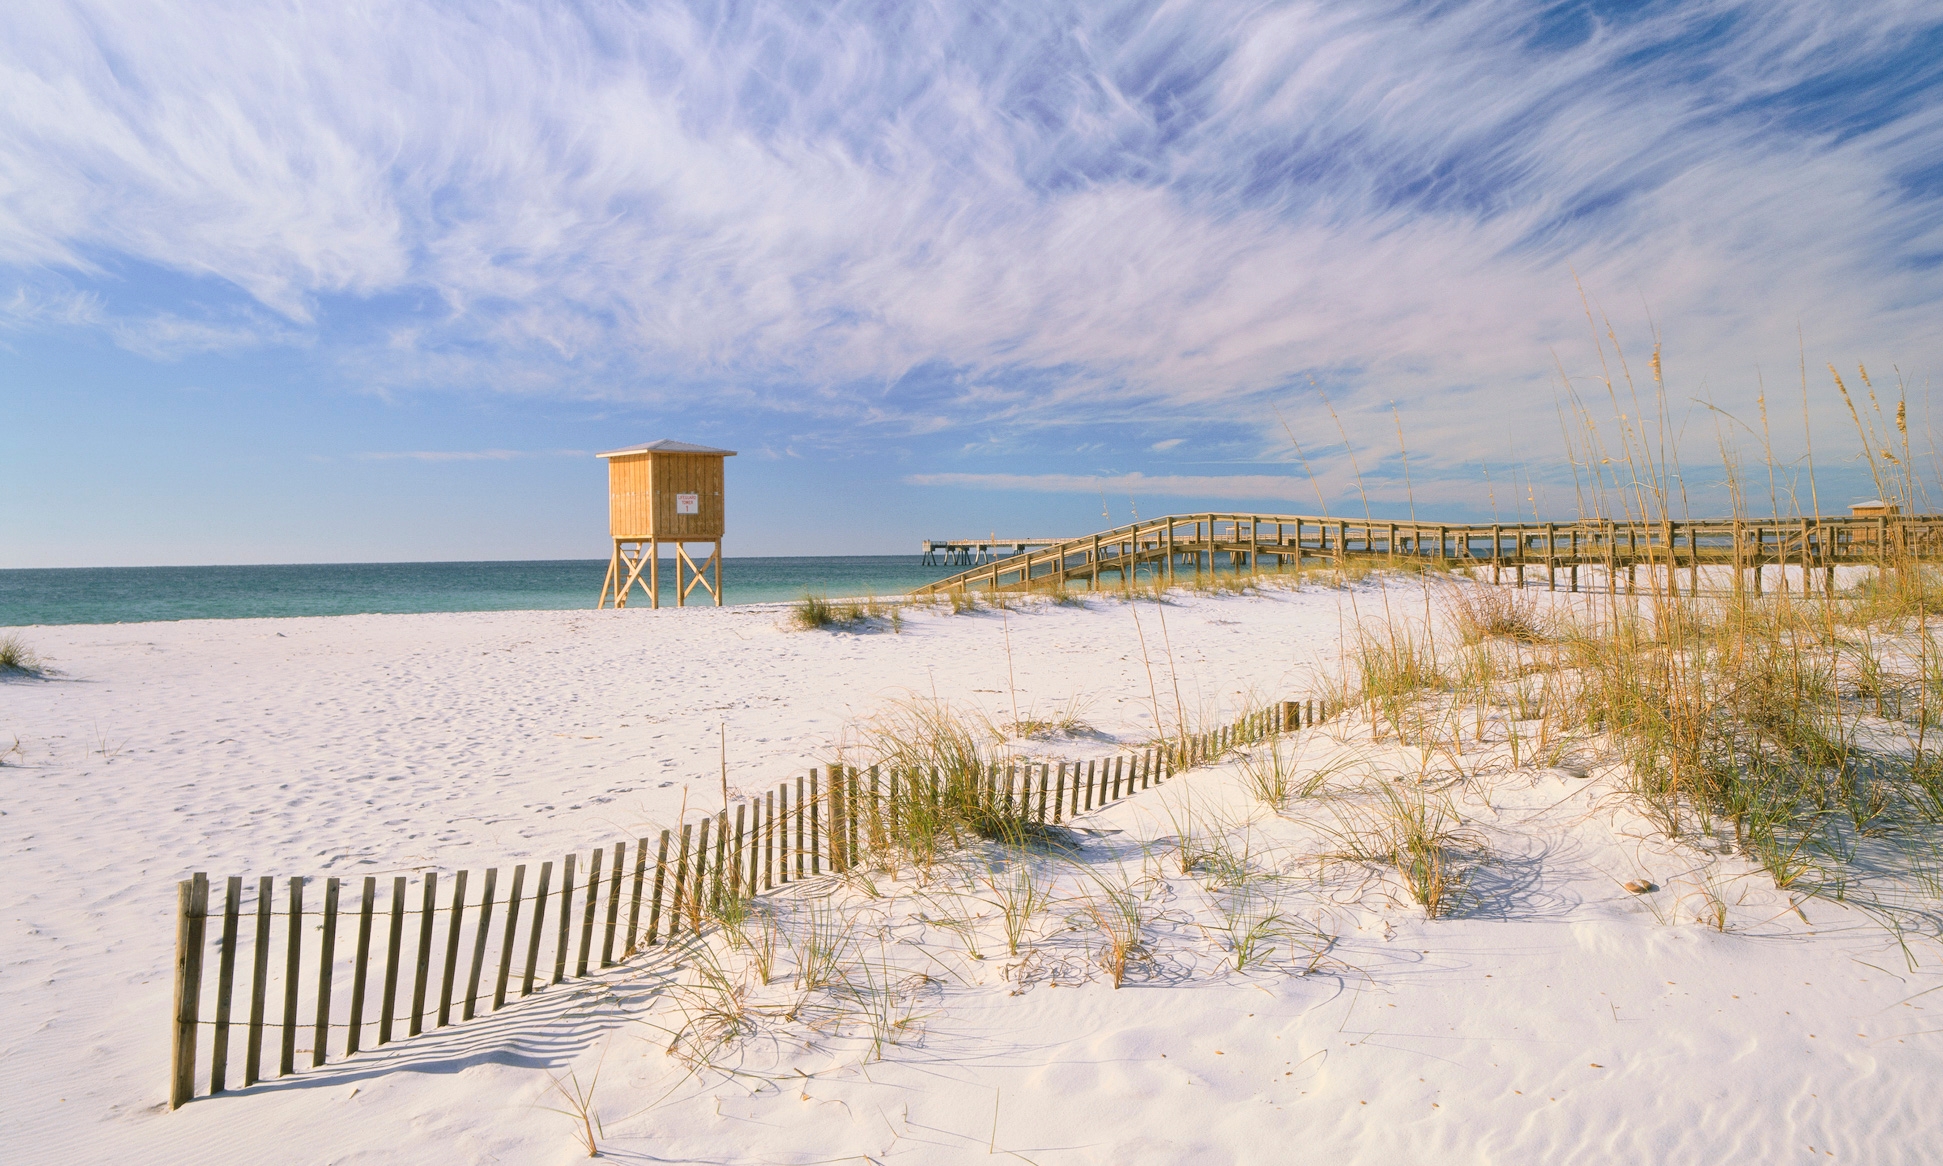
(479, 945)
(816, 864)
(225, 983)
(394, 951)
(566, 919)
(769, 840)
(697, 894)
(292, 968)
(1091, 764)
(722, 859)
(660, 875)
(422, 966)
(1059, 795)
(361, 966)
(452, 928)
(506, 947)
(736, 879)
(681, 881)
(1045, 785)
(634, 903)
(537, 929)
(802, 853)
(835, 838)
(783, 808)
(259, 980)
(326, 957)
(876, 836)
(191, 907)
(897, 803)
(588, 916)
(852, 794)
(613, 905)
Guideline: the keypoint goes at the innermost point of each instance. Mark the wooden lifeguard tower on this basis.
(663, 492)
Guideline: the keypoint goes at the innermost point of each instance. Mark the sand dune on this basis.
(1553, 1017)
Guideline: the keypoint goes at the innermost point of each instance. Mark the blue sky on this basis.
(289, 282)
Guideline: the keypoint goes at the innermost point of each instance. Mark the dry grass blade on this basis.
(1119, 913)
(821, 946)
(16, 656)
(1069, 721)
(1271, 775)
(1253, 922)
(814, 612)
(1418, 836)
(715, 1007)
(1019, 895)
(578, 1104)
(1482, 613)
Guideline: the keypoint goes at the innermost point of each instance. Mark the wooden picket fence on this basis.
(829, 822)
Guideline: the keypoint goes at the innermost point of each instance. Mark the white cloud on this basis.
(1118, 486)
(465, 455)
(36, 307)
(1144, 210)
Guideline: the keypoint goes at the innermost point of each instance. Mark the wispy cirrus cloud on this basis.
(1118, 486)
(1006, 216)
(464, 455)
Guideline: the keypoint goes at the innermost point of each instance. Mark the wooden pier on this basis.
(971, 552)
(1164, 549)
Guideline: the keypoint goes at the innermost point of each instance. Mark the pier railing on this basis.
(1165, 548)
(270, 980)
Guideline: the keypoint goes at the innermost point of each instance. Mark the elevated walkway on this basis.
(1165, 548)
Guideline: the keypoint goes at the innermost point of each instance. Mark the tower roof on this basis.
(667, 445)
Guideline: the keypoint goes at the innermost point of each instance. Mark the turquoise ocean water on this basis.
(140, 594)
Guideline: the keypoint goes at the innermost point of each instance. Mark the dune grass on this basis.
(17, 657)
(818, 612)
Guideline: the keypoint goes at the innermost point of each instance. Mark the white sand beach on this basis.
(1558, 1017)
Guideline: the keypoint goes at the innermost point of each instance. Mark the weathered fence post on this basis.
(321, 1031)
(259, 979)
(359, 972)
(479, 944)
(654, 904)
(225, 985)
(293, 964)
(191, 908)
(449, 981)
(506, 945)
